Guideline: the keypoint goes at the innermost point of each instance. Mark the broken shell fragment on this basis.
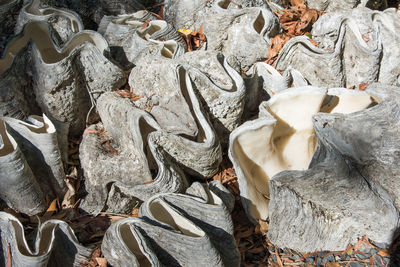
(167, 232)
(65, 80)
(282, 138)
(355, 47)
(55, 244)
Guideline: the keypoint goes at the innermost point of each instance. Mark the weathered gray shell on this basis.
(145, 145)
(282, 138)
(127, 38)
(177, 230)
(8, 18)
(54, 245)
(65, 81)
(327, 196)
(357, 46)
(352, 181)
(219, 87)
(243, 33)
(336, 5)
(65, 23)
(31, 164)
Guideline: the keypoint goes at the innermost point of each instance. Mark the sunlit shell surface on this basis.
(170, 225)
(55, 244)
(354, 47)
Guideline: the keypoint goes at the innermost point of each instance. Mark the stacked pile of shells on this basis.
(319, 162)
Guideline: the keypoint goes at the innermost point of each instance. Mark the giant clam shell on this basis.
(55, 244)
(127, 38)
(92, 12)
(282, 138)
(8, 18)
(336, 5)
(31, 163)
(244, 33)
(65, 80)
(143, 145)
(357, 46)
(217, 84)
(64, 22)
(352, 181)
(172, 225)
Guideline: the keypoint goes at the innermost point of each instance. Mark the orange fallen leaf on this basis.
(363, 86)
(278, 259)
(9, 258)
(371, 261)
(277, 44)
(145, 24)
(383, 253)
(53, 206)
(102, 262)
(89, 131)
(298, 3)
(194, 39)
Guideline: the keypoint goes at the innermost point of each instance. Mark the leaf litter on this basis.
(296, 20)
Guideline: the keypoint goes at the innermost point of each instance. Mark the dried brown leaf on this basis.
(53, 206)
(383, 253)
(277, 44)
(363, 86)
(102, 262)
(9, 258)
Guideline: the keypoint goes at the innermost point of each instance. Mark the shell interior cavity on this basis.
(283, 138)
(172, 224)
(31, 163)
(54, 237)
